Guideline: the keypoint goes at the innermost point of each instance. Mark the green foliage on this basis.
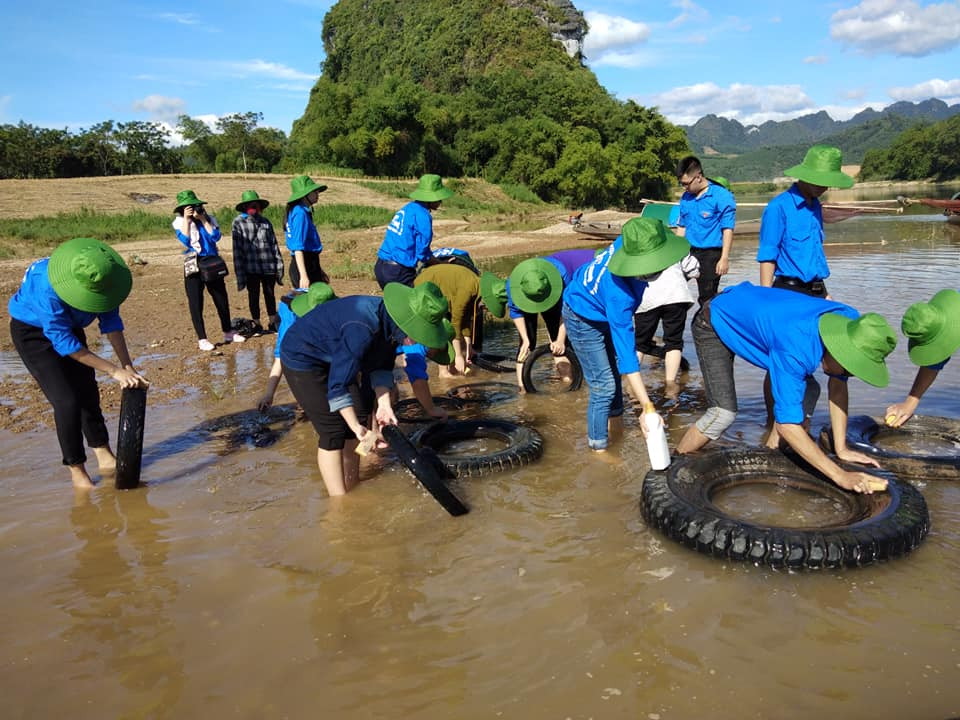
(520, 193)
(477, 88)
(348, 217)
(237, 146)
(922, 152)
(50, 230)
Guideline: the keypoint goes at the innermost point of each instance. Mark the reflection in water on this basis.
(253, 595)
(118, 594)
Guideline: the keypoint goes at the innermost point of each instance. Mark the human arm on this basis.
(903, 411)
(559, 346)
(524, 349)
(799, 439)
(273, 380)
(838, 396)
(639, 392)
(766, 273)
(124, 373)
(772, 227)
(421, 391)
(302, 267)
(723, 264)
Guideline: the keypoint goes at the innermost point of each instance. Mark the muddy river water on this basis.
(231, 586)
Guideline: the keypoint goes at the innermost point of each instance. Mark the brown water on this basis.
(231, 586)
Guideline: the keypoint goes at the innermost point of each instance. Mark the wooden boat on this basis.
(609, 231)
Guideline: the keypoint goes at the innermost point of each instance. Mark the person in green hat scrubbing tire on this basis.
(407, 239)
(933, 329)
(792, 336)
(257, 262)
(303, 240)
(598, 307)
(82, 281)
(337, 353)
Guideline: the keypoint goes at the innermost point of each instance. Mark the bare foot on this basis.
(79, 477)
(605, 456)
(106, 461)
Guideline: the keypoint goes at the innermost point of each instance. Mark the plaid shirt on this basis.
(255, 249)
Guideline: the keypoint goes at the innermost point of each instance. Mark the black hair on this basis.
(689, 165)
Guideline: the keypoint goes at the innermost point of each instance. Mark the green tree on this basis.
(237, 133)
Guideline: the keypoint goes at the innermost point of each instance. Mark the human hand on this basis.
(861, 482)
(899, 413)
(385, 416)
(129, 378)
(523, 351)
(557, 348)
(723, 266)
(460, 364)
(439, 413)
(265, 402)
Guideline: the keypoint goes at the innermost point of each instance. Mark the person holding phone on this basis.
(199, 233)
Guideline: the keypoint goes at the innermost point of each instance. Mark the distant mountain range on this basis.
(760, 152)
(716, 134)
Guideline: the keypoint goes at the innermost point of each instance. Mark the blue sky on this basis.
(73, 64)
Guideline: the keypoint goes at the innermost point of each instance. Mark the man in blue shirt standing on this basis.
(408, 236)
(791, 252)
(707, 214)
(790, 335)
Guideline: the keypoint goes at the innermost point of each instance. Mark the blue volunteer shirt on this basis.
(301, 233)
(408, 236)
(348, 335)
(206, 242)
(36, 303)
(596, 294)
(287, 318)
(791, 237)
(706, 217)
(777, 330)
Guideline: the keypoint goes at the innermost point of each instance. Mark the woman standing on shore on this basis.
(82, 281)
(199, 233)
(256, 257)
(303, 240)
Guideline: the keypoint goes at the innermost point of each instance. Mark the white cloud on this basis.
(815, 60)
(269, 69)
(946, 90)
(607, 32)
(900, 27)
(746, 103)
(689, 12)
(160, 108)
(180, 18)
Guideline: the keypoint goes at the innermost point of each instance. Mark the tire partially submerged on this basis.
(529, 364)
(863, 434)
(522, 445)
(484, 392)
(493, 363)
(408, 410)
(679, 501)
(133, 409)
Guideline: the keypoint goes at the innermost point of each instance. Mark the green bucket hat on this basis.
(301, 186)
(648, 247)
(493, 292)
(933, 328)
(535, 285)
(430, 189)
(721, 181)
(250, 196)
(419, 311)
(187, 197)
(821, 166)
(317, 294)
(89, 275)
(445, 356)
(860, 345)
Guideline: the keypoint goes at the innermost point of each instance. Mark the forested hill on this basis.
(492, 88)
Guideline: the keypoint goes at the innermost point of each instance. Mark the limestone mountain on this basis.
(492, 88)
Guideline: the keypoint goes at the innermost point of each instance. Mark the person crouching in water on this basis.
(790, 335)
(82, 281)
(598, 308)
(347, 344)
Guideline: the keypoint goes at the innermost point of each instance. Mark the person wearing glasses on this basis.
(707, 213)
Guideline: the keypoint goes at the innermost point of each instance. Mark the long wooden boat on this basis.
(611, 230)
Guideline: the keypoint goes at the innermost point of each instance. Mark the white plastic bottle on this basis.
(656, 438)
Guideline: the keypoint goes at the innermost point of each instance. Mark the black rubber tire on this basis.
(576, 372)
(408, 410)
(484, 392)
(251, 427)
(425, 467)
(491, 362)
(133, 410)
(862, 431)
(659, 351)
(524, 445)
(678, 502)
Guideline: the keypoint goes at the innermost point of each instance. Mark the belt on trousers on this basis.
(814, 285)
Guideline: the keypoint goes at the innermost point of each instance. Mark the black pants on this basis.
(387, 271)
(814, 288)
(552, 317)
(69, 386)
(309, 388)
(673, 316)
(194, 285)
(254, 284)
(315, 273)
(709, 282)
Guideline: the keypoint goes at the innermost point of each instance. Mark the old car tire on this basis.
(524, 445)
(491, 362)
(133, 410)
(576, 372)
(678, 501)
(408, 410)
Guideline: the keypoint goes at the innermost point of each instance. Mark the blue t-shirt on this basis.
(36, 303)
(287, 318)
(791, 236)
(594, 293)
(706, 217)
(205, 244)
(777, 330)
(348, 335)
(301, 233)
(408, 236)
